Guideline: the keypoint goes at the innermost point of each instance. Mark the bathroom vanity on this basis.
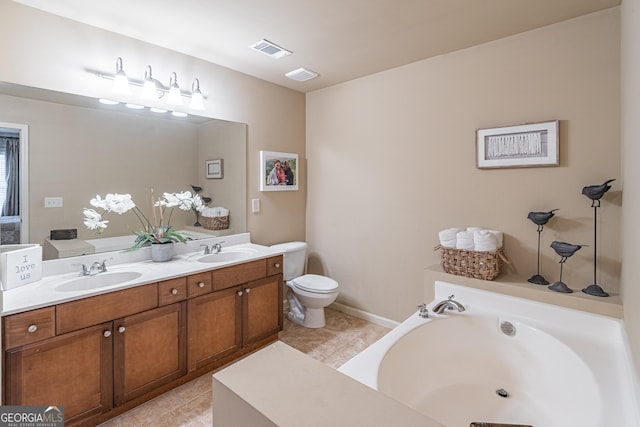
(101, 352)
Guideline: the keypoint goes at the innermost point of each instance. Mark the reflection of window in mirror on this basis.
(9, 186)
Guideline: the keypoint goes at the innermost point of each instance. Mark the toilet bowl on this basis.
(308, 294)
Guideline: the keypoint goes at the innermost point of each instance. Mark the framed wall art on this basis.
(528, 145)
(214, 169)
(278, 171)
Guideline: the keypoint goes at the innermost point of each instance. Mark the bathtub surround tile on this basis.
(190, 405)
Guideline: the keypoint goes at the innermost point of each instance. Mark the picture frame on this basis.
(213, 169)
(526, 145)
(274, 179)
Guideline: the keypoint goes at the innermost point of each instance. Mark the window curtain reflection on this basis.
(12, 176)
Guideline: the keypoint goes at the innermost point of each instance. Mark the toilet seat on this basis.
(315, 283)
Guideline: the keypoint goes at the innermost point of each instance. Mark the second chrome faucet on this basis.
(448, 304)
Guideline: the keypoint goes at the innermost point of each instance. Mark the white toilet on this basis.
(308, 294)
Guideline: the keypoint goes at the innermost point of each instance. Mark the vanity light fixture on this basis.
(152, 89)
(178, 114)
(120, 81)
(150, 86)
(175, 96)
(197, 102)
(157, 110)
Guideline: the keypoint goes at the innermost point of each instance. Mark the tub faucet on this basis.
(448, 304)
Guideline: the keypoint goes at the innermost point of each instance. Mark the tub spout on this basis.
(448, 304)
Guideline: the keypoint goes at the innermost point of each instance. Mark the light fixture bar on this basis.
(153, 89)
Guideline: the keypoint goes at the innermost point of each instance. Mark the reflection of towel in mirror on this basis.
(448, 237)
(464, 240)
(215, 212)
(485, 241)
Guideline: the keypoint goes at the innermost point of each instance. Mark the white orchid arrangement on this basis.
(156, 229)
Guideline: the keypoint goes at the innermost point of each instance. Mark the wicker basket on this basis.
(215, 222)
(479, 265)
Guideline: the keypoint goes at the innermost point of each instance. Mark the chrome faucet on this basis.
(213, 249)
(96, 267)
(448, 304)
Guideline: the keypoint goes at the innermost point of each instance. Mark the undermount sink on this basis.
(229, 255)
(97, 281)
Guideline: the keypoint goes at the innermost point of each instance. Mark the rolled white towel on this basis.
(499, 236)
(213, 212)
(464, 240)
(474, 229)
(448, 237)
(485, 241)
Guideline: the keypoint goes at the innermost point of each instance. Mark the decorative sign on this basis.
(20, 265)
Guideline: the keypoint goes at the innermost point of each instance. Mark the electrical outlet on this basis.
(53, 202)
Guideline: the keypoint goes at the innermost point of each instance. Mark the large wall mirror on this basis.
(78, 148)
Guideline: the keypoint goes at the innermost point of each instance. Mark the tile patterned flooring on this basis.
(189, 405)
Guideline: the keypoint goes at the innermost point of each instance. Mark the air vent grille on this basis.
(270, 49)
(302, 74)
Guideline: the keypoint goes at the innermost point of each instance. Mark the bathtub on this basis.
(559, 368)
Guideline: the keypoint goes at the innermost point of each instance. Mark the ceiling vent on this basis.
(302, 75)
(270, 49)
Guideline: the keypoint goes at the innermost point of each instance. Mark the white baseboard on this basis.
(373, 318)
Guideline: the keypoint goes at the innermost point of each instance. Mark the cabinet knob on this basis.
(121, 329)
(106, 334)
(32, 328)
(239, 293)
(174, 291)
(201, 284)
(247, 290)
(276, 265)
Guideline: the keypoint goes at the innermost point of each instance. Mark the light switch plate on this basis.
(255, 205)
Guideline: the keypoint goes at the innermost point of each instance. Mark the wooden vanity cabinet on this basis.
(74, 369)
(261, 309)
(149, 350)
(233, 316)
(102, 355)
(214, 329)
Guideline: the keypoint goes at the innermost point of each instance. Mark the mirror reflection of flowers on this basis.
(156, 228)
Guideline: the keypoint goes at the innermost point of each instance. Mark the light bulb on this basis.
(120, 81)
(150, 88)
(175, 96)
(197, 101)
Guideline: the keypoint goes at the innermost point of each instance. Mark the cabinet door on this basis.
(261, 309)
(214, 327)
(149, 350)
(74, 370)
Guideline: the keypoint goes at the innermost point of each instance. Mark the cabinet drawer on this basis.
(170, 291)
(28, 327)
(199, 284)
(274, 265)
(102, 308)
(238, 274)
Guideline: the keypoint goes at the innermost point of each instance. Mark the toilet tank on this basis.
(294, 258)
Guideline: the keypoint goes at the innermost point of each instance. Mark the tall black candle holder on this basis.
(540, 219)
(595, 193)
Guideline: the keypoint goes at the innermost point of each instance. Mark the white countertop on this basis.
(185, 261)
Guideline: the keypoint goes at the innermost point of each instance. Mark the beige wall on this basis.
(391, 161)
(46, 51)
(630, 171)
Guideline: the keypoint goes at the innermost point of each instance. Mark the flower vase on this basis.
(161, 252)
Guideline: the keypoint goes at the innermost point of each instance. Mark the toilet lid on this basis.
(315, 283)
